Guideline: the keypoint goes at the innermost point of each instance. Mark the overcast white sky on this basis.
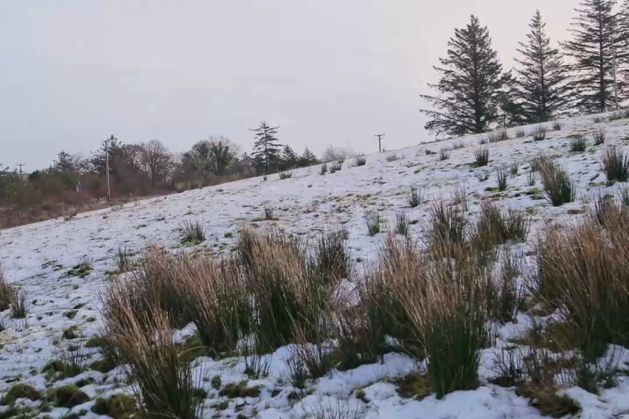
(72, 72)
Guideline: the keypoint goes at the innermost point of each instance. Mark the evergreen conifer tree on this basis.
(542, 88)
(595, 51)
(266, 148)
(469, 90)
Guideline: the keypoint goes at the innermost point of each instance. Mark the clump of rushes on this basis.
(372, 220)
(143, 338)
(501, 178)
(401, 223)
(192, 233)
(331, 256)
(481, 157)
(616, 165)
(445, 303)
(539, 133)
(557, 184)
(447, 226)
(599, 136)
(414, 197)
(577, 145)
(444, 154)
(584, 271)
(288, 296)
(7, 293)
(495, 227)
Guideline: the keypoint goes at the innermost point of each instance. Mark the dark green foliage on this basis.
(577, 145)
(372, 220)
(557, 184)
(20, 391)
(469, 89)
(481, 157)
(595, 39)
(542, 88)
(118, 406)
(192, 233)
(266, 149)
(616, 165)
(452, 344)
(68, 396)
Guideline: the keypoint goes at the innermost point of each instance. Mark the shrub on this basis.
(372, 220)
(616, 165)
(501, 178)
(599, 136)
(539, 133)
(444, 154)
(584, 271)
(192, 233)
(401, 224)
(557, 184)
(285, 175)
(481, 157)
(578, 144)
(361, 161)
(556, 126)
(498, 135)
(414, 197)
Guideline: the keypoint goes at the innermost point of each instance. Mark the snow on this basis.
(37, 258)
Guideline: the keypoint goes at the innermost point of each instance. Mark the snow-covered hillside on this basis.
(37, 258)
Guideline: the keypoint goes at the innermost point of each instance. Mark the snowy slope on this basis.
(37, 258)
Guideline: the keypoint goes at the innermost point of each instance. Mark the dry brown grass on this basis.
(8, 295)
(584, 271)
(142, 336)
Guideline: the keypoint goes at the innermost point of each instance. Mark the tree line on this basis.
(139, 169)
(588, 73)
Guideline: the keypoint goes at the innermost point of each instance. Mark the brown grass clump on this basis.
(8, 295)
(584, 271)
(143, 339)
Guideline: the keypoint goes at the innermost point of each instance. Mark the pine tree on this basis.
(593, 49)
(470, 84)
(289, 157)
(542, 84)
(308, 158)
(266, 149)
(65, 163)
(623, 52)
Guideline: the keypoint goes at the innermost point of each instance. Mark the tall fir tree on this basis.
(594, 51)
(266, 148)
(623, 54)
(542, 87)
(470, 84)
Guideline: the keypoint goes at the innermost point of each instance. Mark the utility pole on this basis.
(107, 167)
(380, 141)
(21, 166)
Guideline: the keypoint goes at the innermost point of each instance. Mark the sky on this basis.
(328, 72)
